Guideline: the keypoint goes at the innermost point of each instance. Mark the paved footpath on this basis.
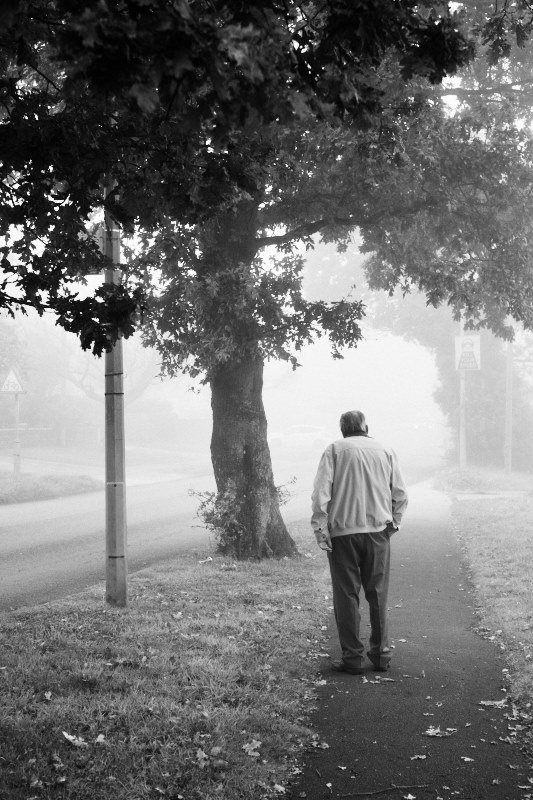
(372, 730)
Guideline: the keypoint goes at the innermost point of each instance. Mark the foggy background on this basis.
(390, 376)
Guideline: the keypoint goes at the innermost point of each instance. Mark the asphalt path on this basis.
(373, 730)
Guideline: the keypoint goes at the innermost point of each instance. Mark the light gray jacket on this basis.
(358, 488)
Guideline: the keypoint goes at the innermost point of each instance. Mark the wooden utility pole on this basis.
(116, 529)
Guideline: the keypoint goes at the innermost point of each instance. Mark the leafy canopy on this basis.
(152, 99)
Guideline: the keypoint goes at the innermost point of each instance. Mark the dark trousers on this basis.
(361, 559)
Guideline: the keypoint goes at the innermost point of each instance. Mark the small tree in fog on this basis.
(435, 329)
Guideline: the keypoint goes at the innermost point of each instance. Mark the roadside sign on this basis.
(11, 384)
(467, 352)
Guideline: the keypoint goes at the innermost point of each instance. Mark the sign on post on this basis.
(12, 385)
(467, 352)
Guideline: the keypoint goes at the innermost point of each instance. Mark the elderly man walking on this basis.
(359, 498)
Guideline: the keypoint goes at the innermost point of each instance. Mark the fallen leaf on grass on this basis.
(493, 703)
(252, 748)
(77, 741)
(321, 745)
(202, 759)
(418, 758)
(56, 762)
(466, 758)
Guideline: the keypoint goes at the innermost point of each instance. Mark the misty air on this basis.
(266, 417)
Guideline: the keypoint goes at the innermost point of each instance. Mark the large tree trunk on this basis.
(241, 462)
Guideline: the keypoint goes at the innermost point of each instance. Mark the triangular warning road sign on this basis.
(12, 384)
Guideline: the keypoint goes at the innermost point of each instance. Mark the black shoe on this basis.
(342, 667)
(378, 666)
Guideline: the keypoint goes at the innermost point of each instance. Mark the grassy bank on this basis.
(25, 487)
(200, 689)
(492, 516)
(197, 690)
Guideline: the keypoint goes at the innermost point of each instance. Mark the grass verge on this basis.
(198, 690)
(495, 532)
(25, 487)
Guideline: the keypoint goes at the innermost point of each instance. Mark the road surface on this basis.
(52, 548)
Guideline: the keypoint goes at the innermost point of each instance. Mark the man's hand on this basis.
(323, 539)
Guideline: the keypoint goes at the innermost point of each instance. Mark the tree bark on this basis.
(241, 461)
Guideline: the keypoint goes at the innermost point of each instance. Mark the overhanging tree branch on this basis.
(349, 222)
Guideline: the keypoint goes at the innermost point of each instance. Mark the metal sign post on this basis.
(12, 385)
(508, 439)
(462, 420)
(467, 358)
(116, 529)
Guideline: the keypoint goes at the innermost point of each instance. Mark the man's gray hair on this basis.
(353, 422)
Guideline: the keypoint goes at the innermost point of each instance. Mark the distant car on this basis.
(300, 440)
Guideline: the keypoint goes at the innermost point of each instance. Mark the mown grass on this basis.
(198, 690)
(26, 487)
(497, 538)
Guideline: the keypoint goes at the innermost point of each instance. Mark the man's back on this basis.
(358, 486)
